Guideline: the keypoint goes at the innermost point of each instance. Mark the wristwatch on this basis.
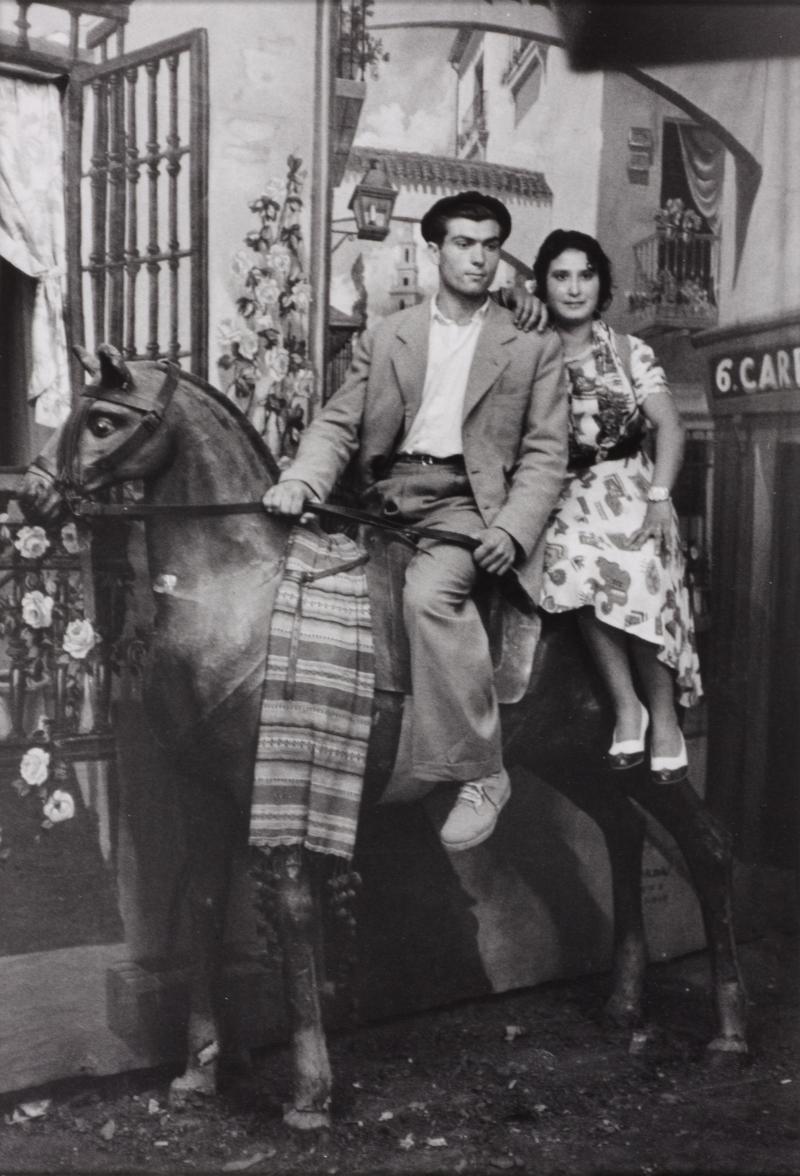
(658, 494)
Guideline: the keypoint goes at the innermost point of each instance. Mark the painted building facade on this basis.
(400, 268)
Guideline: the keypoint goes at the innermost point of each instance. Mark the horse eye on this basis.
(101, 426)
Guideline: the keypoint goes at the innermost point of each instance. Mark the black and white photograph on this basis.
(399, 654)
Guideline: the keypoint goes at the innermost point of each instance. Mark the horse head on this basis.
(115, 434)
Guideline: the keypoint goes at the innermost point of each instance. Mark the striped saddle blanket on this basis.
(316, 707)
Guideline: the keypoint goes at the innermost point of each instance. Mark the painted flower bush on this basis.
(46, 791)
(359, 52)
(264, 366)
(46, 639)
(675, 217)
(47, 648)
(57, 887)
(47, 781)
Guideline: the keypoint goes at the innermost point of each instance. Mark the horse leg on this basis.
(706, 847)
(623, 831)
(298, 921)
(210, 830)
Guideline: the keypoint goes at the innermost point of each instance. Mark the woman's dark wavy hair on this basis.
(555, 244)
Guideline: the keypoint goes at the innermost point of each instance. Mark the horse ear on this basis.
(114, 372)
(87, 360)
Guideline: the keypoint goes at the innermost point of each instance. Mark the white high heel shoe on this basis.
(629, 753)
(670, 769)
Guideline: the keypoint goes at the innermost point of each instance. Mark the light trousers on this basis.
(456, 723)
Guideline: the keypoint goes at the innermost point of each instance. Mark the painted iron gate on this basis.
(137, 192)
(135, 178)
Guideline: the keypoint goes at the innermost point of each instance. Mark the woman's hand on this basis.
(657, 525)
(529, 311)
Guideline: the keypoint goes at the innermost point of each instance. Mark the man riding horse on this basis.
(458, 420)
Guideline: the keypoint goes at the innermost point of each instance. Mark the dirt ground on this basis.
(530, 1081)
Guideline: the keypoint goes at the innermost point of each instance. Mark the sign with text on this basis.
(749, 372)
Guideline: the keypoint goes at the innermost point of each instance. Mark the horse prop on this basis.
(188, 444)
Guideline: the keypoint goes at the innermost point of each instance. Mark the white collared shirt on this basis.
(436, 429)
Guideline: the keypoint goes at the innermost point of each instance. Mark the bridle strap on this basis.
(39, 467)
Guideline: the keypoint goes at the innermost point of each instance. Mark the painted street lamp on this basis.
(372, 203)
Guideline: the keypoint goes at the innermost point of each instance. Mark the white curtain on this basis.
(32, 230)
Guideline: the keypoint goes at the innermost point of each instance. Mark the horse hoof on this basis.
(621, 1013)
(305, 1120)
(194, 1084)
(727, 1051)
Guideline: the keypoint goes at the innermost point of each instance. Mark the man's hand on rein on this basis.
(287, 498)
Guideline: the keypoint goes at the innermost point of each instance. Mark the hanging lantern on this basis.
(372, 203)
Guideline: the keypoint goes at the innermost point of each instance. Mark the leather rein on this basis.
(84, 508)
(152, 417)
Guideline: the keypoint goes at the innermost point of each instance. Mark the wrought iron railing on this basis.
(677, 277)
(353, 42)
(109, 20)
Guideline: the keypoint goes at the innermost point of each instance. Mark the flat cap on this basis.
(450, 206)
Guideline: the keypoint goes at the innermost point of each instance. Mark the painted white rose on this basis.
(274, 190)
(248, 343)
(302, 296)
(79, 638)
(37, 610)
(35, 766)
(228, 333)
(59, 806)
(277, 363)
(267, 293)
(265, 322)
(31, 542)
(279, 260)
(241, 264)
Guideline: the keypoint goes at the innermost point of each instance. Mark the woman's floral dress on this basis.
(589, 559)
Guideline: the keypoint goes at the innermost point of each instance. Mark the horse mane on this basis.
(252, 434)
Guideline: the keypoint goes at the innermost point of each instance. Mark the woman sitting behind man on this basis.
(613, 548)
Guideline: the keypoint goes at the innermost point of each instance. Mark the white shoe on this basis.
(629, 753)
(474, 815)
(670, 769)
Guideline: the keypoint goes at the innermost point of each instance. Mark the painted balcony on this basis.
(357, 53)
(677, 280)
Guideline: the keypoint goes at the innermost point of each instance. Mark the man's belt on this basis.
(455, 459)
